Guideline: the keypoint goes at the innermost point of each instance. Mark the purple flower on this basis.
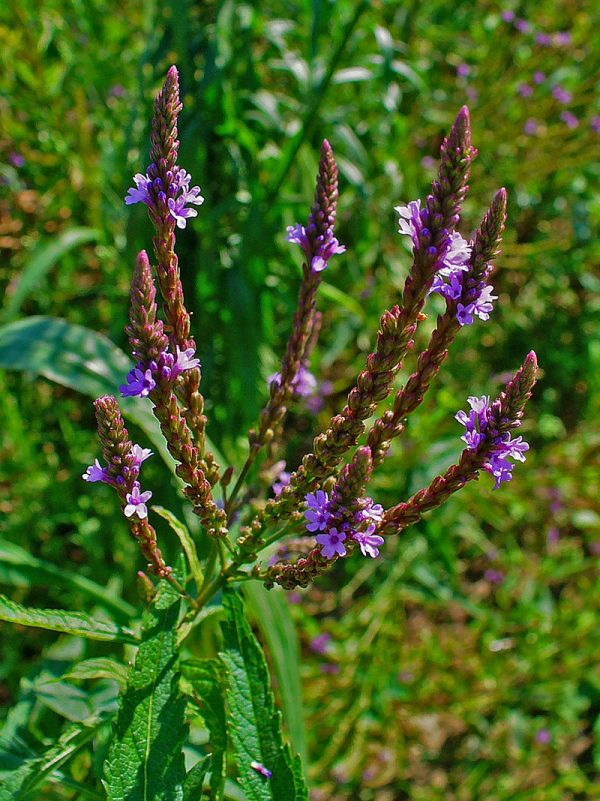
(283, 480)
(464, 314)
(503, 447)
(319, 644)
(522, 26)
(260, 768)
(494, 576)
(483, 305)
(508, 15)
(553, 535)
(369, 541)
(326, 246)
(562, 38)
(332, 541)
(561, 94)
(410, 220)
(139, 194)
(136, 502)
(543, 736)
(141, 454)
(530, 127)
(184, 360)
(463, 70)
(16, 159)
(373, 512)
(428, 162)
(457, 255)
(595, 123)
(543, 39)
(317, 514)
(304, 383)
(570, 119)
(539, 76)
(139, 383)
(96, 472)
(525, 90)
(179, 191)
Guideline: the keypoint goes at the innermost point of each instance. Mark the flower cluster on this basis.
(141, 380)
(175, 195)
(125, 477)
(501, 447)
(317, 239)
(452, 278)
(334, 530)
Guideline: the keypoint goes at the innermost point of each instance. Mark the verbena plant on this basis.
(287, 534)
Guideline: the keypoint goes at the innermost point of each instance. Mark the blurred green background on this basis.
(463, 663)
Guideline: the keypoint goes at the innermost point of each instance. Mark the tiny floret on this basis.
(317, 514)
(139, 383)
(140, 193)
(136, 502)
(332, 542)
(141, 454)
(95, 472)
(184, 360)
(368, 541)
(410, 220)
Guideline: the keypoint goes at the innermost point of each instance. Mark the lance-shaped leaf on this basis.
(145, 760)
(254, 722)
(205, 677)
(59, 620)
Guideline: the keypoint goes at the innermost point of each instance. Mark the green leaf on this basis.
(205, 676)
(145, 758)
(192, 785)
(270, 611)
(77, 357)
(99, 668)
(60, 620)
(17, 564)
(187, 543)
(41, 261)
(34, 771)
(254, 722)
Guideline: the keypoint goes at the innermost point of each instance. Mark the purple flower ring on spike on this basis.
(476, 424)
(332, 542)
(136, 502)
(317, 253)
(139, 383)
(317, 514)
(368, 541)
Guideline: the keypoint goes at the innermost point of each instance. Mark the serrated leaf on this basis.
(205, 676)
(254, 722)
(28, 566)
(34, 771)
(192, 785)
(187, 543)
(270, 611)
(145, 758)
(76, 623)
